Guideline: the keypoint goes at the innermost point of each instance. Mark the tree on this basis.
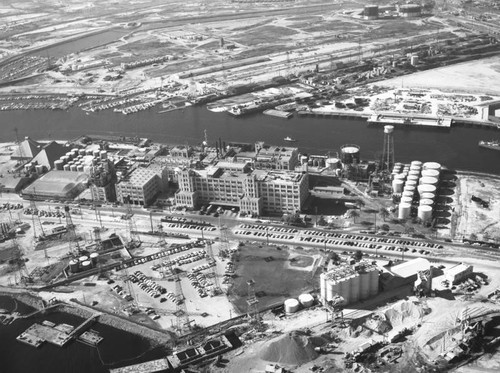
(358, 255)
(360, 203)
(321, 221)
(353, 214)
(384, 213)
(385, 227)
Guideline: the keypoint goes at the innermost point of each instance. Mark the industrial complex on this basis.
(263, 256)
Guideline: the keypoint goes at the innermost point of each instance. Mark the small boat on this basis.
(289, 139)
(493, 144)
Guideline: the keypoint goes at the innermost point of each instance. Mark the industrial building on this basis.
(255, 192)
(26, 150)
(410, 10)
(263, 156)
(370, 12)
(142, 186)
(351, 282)
(458, 273)
(58, 185)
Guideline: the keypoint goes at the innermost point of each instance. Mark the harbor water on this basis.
(117, 348)
(456, 147)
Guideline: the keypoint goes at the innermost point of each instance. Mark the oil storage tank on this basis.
(93, 258)
(291, 305)
(425, 212)
(426, 188)
(86, 265)
(404, 210)
(350, 154)
(306, 300)
(73, 266)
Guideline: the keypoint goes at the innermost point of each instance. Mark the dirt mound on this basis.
(294, 348)
(404, 312)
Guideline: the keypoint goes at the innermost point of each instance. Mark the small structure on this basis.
(458, 273)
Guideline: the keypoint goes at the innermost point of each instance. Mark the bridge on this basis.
(83, 326)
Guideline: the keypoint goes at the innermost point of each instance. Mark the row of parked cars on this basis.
(228, 272)
(181, 260)
(149, 286)
(275, 236)
(122, 293)
(268, 228)
(202, 267)
(11, 206)
(191, 226)
(52, 214)
(199, 281)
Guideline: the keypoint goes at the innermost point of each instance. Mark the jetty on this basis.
(410, 120)
(278, 113)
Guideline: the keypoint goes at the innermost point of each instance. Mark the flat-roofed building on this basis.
(458, 273)
(267, 157)
(142, 185)
(255, 192)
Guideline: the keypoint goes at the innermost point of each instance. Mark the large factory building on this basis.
(254, 192)
(351, 282)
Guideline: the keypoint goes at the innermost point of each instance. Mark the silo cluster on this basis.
(83, 263)
(81, 160)
(351, 283)
(416, 181)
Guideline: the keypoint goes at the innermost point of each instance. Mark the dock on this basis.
(333, 114)
(152, 366)
(278, 113)
(410, 120)
(90, 337)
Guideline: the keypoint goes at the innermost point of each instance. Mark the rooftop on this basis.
(56, 183)
(411, 267)
(278, 176)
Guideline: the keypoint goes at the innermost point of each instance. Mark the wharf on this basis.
(91, 338)
(278, 113)
(332, 114)
(39, 332)
(410, 120)
(153, 366)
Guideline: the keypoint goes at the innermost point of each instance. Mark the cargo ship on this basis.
(493, 144)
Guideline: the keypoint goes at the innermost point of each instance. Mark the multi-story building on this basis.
(268, 157)
(142, 186)
(255, 192)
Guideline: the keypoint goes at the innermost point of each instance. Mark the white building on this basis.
(142, 185)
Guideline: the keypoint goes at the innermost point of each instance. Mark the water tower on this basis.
(388, 151)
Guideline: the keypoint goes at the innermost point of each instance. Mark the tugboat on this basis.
(289, 139)
(493, 144)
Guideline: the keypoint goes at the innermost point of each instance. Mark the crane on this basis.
(134, 240)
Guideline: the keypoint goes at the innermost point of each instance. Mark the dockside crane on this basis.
(134, 239)
(74, 246)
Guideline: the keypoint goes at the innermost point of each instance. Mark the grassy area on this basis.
(265, 35)
(273, 281)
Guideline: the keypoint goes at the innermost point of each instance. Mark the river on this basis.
(455, 148)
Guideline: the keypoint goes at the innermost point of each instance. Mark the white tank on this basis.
(79, 168)
(75, 152)
(414, 172)
(428, 196)
(410, 187)
(388, 129)
(73, 168)
(364, 292)
(425, 212)
(39, 169)
(86, 265)
(432, 166)
(426, 188)
(96, 153)
(83, 258)
(94, 257)
(430, 173)
(397, 186)
(73, 266)
(408, 193)
(406, 200)
(59, 165)
(412, 177)
(81, 151)
(69, 155)
(404, 210)
(416, 163)
(306, 300)
(400, 177)
(373, 282)
(67, 167)
(332, 163)
(291, 305)
(428, 202)
(428, 180)
(355, 287)
(303, 159)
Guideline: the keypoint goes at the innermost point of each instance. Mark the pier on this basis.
(278, 113)
(333, 114)
(153, 366)
(410, 120)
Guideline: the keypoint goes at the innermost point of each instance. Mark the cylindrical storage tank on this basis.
(75, 152)
(27, 166)
(412, 177)
(414, 60)
(69, 155)
(364, 292)
(332, 163)
(66, 167)
(416, 163)
(323, 287)
(431, 173)
(373, 282)
(406, 199)
(428, 195)
(303, 159)
(79, 168)
(355, 288)
(414, 172)
(370, 12)
(73, 266)
(397, 186)
(94, 257)
(73, 168)
(306, 300)
(404, 210)
(58, 165)
(349, 154)
(398, 164)
(426, 188)
(89, 151)
(39, 169)
(81, 151)
(291, 305)
(408, 194)
(428, 180)
(425, 201)
(411, 185)
(86, 265)
(425, 212)
(83, 258)
(397, 168)
(65, 158)
(400, 177)
(103, 154)
(431, 166)
(96, 153)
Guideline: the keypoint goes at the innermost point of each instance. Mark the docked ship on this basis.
(493, 144)
(289, 139)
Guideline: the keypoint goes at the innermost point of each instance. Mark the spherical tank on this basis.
(431, 166)
(322, 286)
(431, 173)
(424, 201)
(355, 288)
(397, 186)
(350, 154)
(306, 300)
(364, 292)
(291, 305)
(428, 180)
(373, 282)
(404, 210)
(425, 212)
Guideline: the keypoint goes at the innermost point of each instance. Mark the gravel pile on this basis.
(294, 348)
